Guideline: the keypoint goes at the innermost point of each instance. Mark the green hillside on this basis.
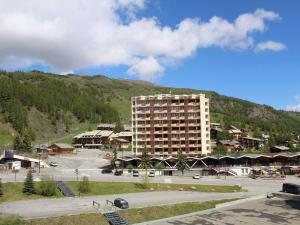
(48, 106)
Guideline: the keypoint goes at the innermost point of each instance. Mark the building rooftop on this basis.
(62, 145)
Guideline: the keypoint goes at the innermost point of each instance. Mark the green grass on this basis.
(82, 219)
(131, 215)
(11, 220)
(106, 188)
(68, 138)
(13, 192)
(158, 212)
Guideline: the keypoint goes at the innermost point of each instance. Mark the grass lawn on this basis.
(158, 212)
(105, 188)
(13, 192)
(131, 215)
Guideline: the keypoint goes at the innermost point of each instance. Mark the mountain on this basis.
(49, 106)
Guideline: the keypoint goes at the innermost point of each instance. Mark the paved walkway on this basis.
(261, 212)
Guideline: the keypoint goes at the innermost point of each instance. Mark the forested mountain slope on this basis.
(47, 105)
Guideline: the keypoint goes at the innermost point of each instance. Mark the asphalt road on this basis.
(68, 206)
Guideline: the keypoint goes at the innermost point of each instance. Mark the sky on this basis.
(247, 49)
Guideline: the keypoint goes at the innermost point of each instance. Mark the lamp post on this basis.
(39, 162)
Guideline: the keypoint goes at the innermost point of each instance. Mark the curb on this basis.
(219, 206)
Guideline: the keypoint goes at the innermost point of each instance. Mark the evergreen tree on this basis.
(1, 188)
(145, 164)
(26, 141)
(114, 158)
(118, 127)
(28, 187)
(84, 185)
(145, 160)
(181, 162)
(18, 142)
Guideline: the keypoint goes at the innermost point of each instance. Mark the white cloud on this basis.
(296, 106)
(147, 69)
(72, 34)
(270, 45)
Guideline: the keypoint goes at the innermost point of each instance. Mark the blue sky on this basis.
(267, 76)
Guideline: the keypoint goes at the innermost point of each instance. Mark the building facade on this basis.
(165, 123)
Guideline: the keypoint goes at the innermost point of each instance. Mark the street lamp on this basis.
(39, 162)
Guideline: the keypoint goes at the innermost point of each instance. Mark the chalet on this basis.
(57, 148)
(106, 126)
(41, 148)
(127, 135)
(93, 139)
(235, 132)
(250, 142)
(120, 142)
(215, 125)
(127, 128)
(280, 148)
(230, 145)
(215, 132)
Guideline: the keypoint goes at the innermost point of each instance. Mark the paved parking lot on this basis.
(258, 212)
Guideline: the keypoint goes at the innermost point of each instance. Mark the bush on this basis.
(28, 184)
(47, 187)
(84, 185)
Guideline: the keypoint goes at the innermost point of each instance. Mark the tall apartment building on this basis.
(165, 123)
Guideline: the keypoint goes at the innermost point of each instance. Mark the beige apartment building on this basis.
(166, 123)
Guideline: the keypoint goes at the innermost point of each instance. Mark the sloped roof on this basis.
(124, 134)
(102, 133)
(63, 145)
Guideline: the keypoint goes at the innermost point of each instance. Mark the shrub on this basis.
(28, 184)
(47, 187)
(84, 185)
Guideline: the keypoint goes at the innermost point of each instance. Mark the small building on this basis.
(215, 132)
(280, 148)
(106, 126)
(57, 148)
(235, 132)
(231, 145)
(41, 148)
(120, 142)
(127, 127)
(250, 142)
(127, 135)
(16, 162)
(215, 125)
(93, 139)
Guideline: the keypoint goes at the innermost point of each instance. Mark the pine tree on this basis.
(18, 142)
(118, 127)
(145, 164)
(1, 188)
(28, 187)
(181, 162)
(26, 141)
(114, 158)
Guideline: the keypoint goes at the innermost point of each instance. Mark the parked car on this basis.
(196, 176)
(135, 173)
(106, 171)
(291, 188)
(121, 203)
(118, 172)
(151, 174)
(54, 164)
